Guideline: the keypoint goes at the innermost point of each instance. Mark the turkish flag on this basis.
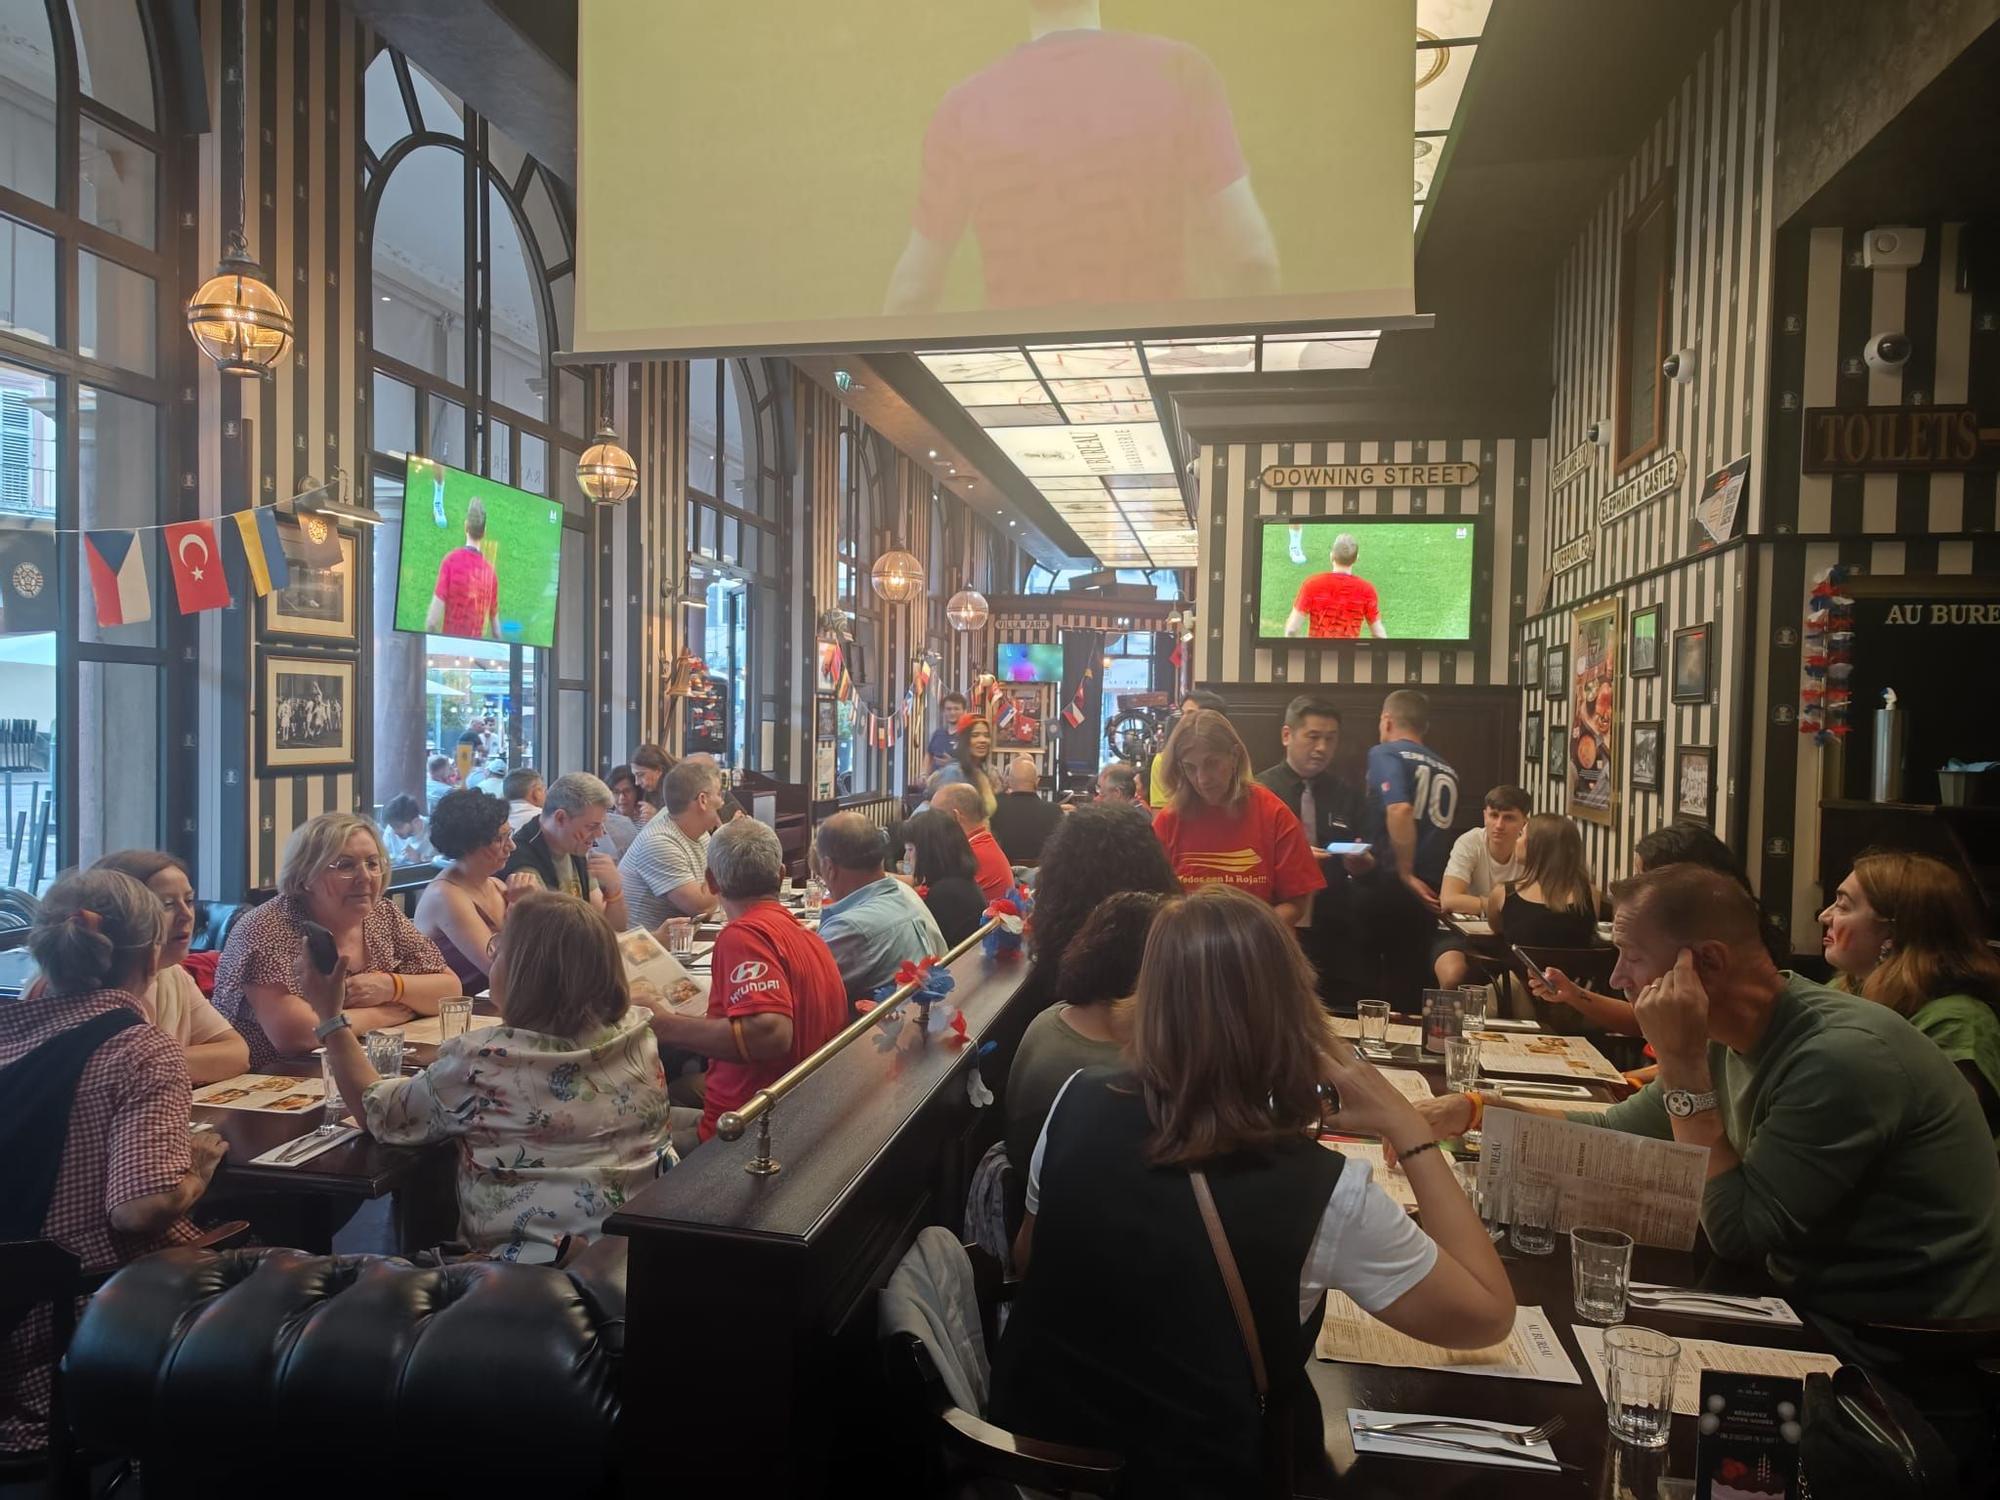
(196, 556)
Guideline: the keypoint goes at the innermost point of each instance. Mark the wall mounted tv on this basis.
(1361, 578)
(1023, 662)
(479, 560)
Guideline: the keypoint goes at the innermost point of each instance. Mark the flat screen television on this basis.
(1022, 662)
(480, 560)
(1393, 578)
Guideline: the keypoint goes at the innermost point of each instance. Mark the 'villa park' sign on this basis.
(1404, 476)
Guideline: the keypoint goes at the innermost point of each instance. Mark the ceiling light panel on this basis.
(1235, 355)
(1441, 74)
(1014, 416)
(978, 364)
(1108, 411)
(1098, 361)
(997, 392)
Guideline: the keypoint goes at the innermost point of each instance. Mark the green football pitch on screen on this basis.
(446, 578)
(1421, 570)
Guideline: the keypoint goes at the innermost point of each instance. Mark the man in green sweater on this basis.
(1844, 1151)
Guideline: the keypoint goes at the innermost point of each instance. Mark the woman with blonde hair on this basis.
(1221, 827)
(1218, 1114)
(1553, 904)
(1905, 931)
(560, 1111)
(334, 873)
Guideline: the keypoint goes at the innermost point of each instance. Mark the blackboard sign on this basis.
(1935, 640)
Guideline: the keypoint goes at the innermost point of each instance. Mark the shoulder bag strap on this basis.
(1239, 1299)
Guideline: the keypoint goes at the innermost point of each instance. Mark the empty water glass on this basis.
(1600, 1266)
(329, 1117)
(385, 1053)
(454, 1017)
(1639, 1384)
(679, 934)
(1489, 1207)
(1461, 1064)
(1475, 1005)
(1374, 1015)
(1532, 1222)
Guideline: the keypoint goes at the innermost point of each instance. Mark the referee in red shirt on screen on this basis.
(1335, 605)
(466, 602)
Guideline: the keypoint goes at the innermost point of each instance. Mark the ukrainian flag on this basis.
(262, 549)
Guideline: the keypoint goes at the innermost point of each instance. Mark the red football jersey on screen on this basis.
(1337, 605)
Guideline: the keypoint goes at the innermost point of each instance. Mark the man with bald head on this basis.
(873, 922)
(995, 875)
(1845, 1154)
(1023, 820)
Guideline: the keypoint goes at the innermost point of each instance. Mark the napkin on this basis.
(1740, 1309)
(1499, 1452)
(338, 1137)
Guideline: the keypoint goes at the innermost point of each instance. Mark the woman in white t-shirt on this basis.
(174, 1002)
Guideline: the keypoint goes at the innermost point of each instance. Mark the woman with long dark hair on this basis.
(1095, 852)
(973, 764)
(942, 867)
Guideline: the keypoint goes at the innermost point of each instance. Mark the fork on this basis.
(1525, 1439)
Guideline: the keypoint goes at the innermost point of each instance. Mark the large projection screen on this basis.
(794, 174)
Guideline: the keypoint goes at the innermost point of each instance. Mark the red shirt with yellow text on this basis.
(1257, 846)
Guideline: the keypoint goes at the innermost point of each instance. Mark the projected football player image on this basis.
(1091, 166)
(466, 601)
(1336, 604)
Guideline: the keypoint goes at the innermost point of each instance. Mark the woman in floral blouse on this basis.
(560, 1112)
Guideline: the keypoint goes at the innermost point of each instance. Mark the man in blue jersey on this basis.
(1412, 803)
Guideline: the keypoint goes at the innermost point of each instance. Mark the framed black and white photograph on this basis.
(1558, 747)
(1647, 740)
(1642, 650)
(1555, 672)
(1691, 664)
(1531, 663)
(305, 713)
(1694, 783)
(317, 605)
(1534, 737)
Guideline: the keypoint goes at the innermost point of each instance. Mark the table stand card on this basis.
(1532, 1352)
(1746, 1443)
(1651, 1189)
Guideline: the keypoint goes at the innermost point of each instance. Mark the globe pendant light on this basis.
(898, 577)
(606, 472)
(967, 610)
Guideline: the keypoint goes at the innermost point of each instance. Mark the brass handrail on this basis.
(757, 1109)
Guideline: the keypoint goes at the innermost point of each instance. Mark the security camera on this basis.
(1679, 367)
(1598, 433)
(1887, 351)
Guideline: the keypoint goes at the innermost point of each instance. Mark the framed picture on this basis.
(1555, 672)
(1558, 747)
(305, 713)
(1531, 663)
(1017, 719)
(1691, 664)
(1593, 711)
(318, 604)
(1642, 653)
(825, 719)
(1643, 768)
(1694, 783)
(1533, 738)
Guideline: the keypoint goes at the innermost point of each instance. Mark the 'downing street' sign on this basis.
(1401, 476)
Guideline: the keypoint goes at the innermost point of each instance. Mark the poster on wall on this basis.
(823, 769)
(1718, 509)
(1017, 719)
(1593, 710)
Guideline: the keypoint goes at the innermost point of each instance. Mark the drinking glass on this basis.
(329, 1117)
(679, 933)
(1533, 1230)
(1489, 1207)
(454, 1017)
(1639, 1384)
(385, 1053)
(1461, 1064)
(1477, 999)
(1600, 1267)
(1374, 1016)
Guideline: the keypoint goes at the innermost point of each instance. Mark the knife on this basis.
(1437, 1442)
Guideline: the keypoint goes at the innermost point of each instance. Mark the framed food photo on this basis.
(317, 605)
(1593, 711)
(1642, 649)
(1691, 664)
(1531, 663)
(305, 713)
(1533, 738)
(1555, 672)
(1642, 764)
(1694, 783)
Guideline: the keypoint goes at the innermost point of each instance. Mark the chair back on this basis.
(35, 1274)
(1589, 968)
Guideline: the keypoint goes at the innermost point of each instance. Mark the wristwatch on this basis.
(332, 1024)
(1680, 1103)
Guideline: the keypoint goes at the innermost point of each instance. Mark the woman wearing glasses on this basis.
(334, 873)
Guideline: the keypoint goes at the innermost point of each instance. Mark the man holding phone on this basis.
(1330, 811)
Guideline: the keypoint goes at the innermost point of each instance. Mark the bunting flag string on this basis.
(117, 567)
(1829, 663)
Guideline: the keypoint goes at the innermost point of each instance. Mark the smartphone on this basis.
(319, 943)
(1541, 974)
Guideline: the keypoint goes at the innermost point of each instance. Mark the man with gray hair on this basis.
(873, 922)
(1023, 820)
(777, 995)
(1334, 605)
(667, 862)
(555, 846)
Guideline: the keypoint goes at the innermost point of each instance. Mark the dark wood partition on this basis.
(750, 1362)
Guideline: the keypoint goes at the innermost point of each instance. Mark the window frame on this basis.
(1656, 207)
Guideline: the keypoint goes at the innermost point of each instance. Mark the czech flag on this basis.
(118, 577)
(262, 549)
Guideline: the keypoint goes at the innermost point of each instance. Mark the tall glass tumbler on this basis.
(1639, 1368)
(1600, 1268)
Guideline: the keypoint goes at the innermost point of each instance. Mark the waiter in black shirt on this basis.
(1330, 810)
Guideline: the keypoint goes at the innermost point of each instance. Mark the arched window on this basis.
(82, 438)
(461, 218)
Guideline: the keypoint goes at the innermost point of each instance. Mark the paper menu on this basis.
(1541, 1055)
(1398, 1035)
(1532, 1352)
(1389, 1179)
(265, 1092)
(648, 962)
(1411, 1084)
(1708, 1354)
(1651, 1189)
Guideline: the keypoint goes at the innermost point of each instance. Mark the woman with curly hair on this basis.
(1095, 852)
(462, 908)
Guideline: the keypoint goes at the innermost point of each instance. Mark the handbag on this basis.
(1864, 1441)
(1276, 1438)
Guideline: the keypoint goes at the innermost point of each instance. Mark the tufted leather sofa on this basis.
(307, 1374)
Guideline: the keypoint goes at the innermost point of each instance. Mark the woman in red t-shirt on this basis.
(1221, 828)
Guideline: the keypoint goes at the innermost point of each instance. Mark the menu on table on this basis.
(425, 1030)
(1558, 1056)
(1411, 1084)
(647, 962)
(1398, 1035)
(263, 1091)
(1698, 1355)
(1350, 1336)
(1649, 1188)
(1389, 1179)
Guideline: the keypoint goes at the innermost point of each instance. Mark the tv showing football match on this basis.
(1360, 578)
(480, 560)
(1029, 662)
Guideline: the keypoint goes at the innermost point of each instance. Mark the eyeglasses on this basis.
(346, 867)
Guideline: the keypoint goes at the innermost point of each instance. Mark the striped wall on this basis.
(1510, 494)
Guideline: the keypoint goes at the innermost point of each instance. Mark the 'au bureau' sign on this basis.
(1661, 477)
(1574, 553)
(1377, 476)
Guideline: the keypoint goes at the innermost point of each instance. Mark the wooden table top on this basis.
(360, 1168)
